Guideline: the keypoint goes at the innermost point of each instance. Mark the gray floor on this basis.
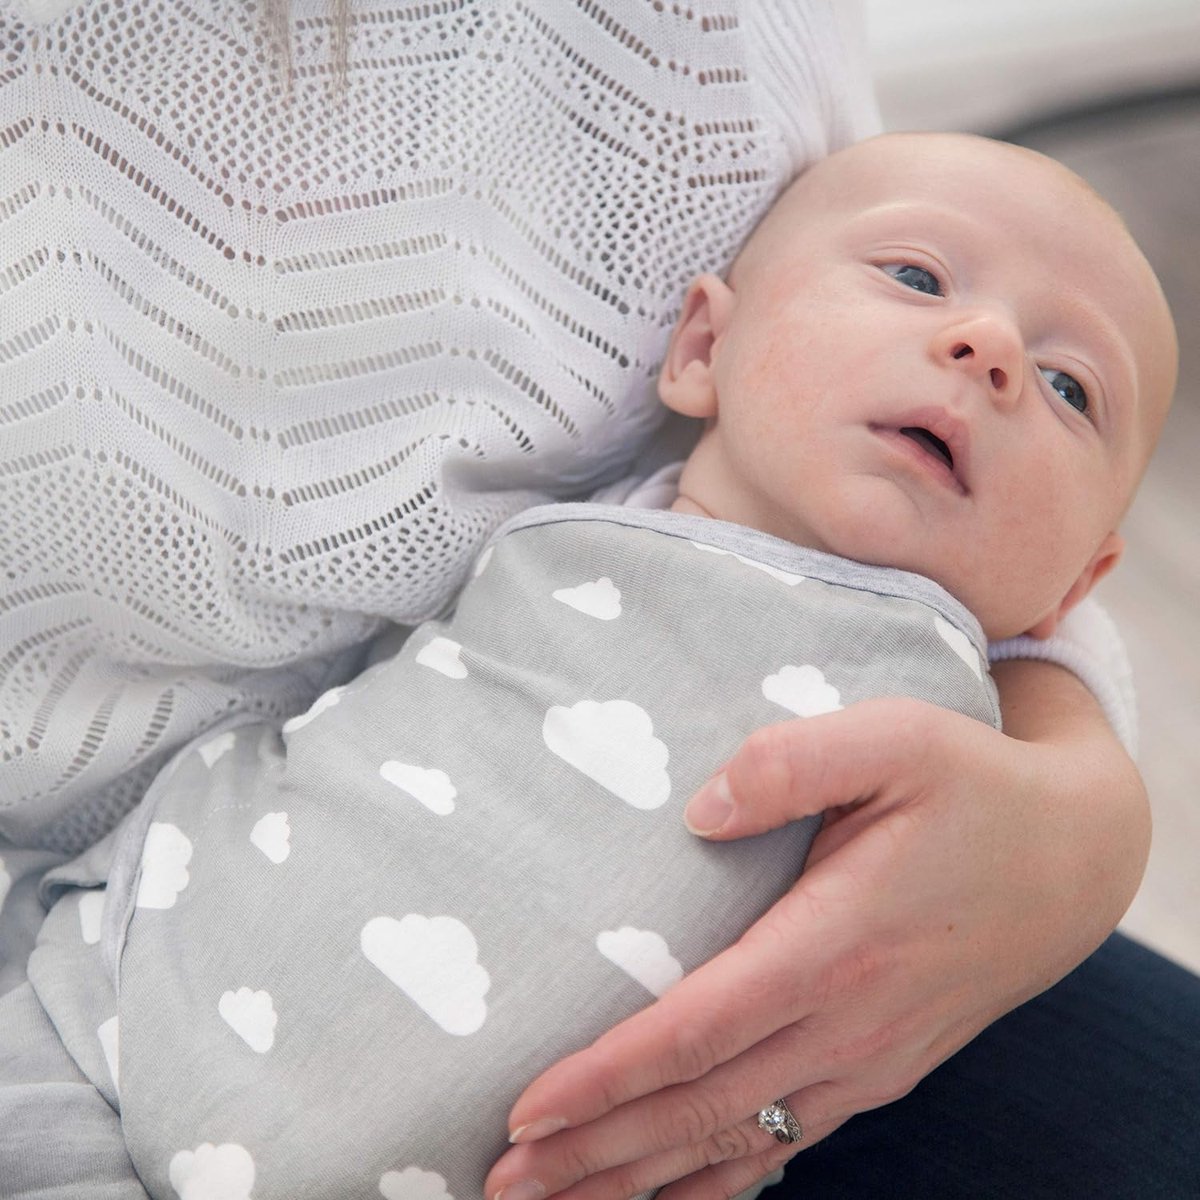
(1147, 163)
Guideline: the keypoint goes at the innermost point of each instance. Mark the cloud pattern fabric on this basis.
(613, 744)
(471, 860)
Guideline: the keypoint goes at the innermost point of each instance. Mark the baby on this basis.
(869, 372)
(336, 953)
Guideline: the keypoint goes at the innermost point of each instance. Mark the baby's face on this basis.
(944, 355)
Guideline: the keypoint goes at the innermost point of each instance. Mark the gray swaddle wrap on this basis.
(345, 949)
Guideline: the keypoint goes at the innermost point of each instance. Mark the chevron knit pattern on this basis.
(273, 364)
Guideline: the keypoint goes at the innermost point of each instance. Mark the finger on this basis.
(799, 768)
(742, 1151)
(743, 1139)
(672, 1121)
(681, 1037)
(725, 1179)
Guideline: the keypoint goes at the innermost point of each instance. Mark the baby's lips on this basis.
(947, 427)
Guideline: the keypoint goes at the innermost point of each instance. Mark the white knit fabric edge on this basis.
(786, 82)
(1088, 645)
(1087, 642)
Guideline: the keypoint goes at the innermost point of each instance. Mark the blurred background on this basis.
(1112, 89)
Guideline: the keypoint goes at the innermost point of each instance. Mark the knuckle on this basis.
(574, 1163)
(693, 1118)
(624, 1182)
(892, 1086)
(738, 1175)
(691, 1056)
(911, 724)
(873, 1087)
(611, 1086)
(876, 1096)
(867, 1049)
(860, 969)
(920, 724)
(734, 1141)
(611, 1094)
(766, 763)
(609, 1079)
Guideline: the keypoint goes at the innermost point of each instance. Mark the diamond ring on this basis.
(777, 1120)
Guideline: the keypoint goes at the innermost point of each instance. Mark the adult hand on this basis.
(959, 872)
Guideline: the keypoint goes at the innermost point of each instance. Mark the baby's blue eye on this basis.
(917, 278)
(1069, 388)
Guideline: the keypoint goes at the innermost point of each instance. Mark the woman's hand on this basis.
(959, 872)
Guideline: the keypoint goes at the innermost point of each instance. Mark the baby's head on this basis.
(936, 352)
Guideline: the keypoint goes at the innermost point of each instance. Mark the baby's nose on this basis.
(986, 347)
(997, 376)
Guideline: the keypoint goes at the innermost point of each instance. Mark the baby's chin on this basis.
(900, 548)
(882, 548)
(866, 539)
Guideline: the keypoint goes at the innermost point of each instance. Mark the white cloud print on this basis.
(428, 785)
(960, 644)
(775, 572)
(272, 835)
(802, 690)
(442, 654)
(224, 1172)
(91, 912)
(434, 961)
(324, 701)
(251, 1015)
(165, 856)
(109, 1036)
(413, 1184)
(216, 748)
(643, 954)
(613, 743)
(599, 598)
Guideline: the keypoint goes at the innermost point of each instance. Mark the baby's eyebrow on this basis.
(905, 210)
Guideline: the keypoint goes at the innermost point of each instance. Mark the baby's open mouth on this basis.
(930, 443)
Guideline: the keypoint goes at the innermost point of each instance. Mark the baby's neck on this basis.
(685, 504)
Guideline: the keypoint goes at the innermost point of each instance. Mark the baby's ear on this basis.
(1102, 562)
(685, 382)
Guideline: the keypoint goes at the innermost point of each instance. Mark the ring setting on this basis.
(777, 1120)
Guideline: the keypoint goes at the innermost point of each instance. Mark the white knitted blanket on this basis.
(272, 367)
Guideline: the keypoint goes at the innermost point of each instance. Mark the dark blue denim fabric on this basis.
(1090, 1091)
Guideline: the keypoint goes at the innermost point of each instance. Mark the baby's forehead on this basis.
(957, 170)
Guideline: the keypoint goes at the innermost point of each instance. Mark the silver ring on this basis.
(777, 1120)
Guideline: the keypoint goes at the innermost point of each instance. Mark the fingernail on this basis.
(533, 1132)
(710, 807)
(525, 1189)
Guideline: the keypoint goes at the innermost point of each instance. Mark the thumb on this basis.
(798, 768)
